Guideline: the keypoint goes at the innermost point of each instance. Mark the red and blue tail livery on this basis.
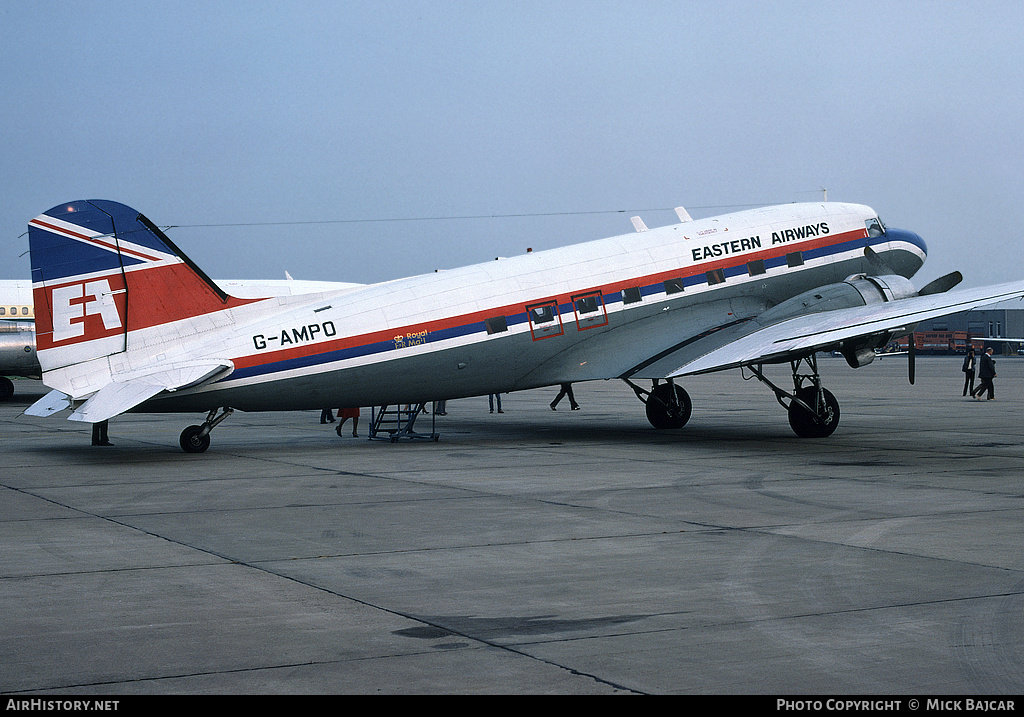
(91, 258)
(127, 322)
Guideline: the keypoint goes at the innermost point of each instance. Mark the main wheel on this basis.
(192, 440)
(821, 424)
(662, 412)
(6, 388)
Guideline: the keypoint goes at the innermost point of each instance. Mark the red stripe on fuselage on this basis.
(348, 342)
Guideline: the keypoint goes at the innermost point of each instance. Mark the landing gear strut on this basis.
(196, 439)
(668, 405)
(813, 410)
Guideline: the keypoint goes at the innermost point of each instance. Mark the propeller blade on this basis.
(877, 265)
(942, 284)
(910, 359)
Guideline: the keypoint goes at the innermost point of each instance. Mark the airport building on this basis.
(952, 333)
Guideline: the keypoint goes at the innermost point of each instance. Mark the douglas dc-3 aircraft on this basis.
(126, 322)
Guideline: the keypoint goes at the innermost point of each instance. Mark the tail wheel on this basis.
(820, 423)
(192, 440)
(663, 411)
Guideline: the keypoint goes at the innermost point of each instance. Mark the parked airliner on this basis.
(126, 322)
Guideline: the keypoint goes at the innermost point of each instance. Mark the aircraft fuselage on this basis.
(612, 308)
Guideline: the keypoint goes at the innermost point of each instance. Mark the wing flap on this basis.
(804, 334)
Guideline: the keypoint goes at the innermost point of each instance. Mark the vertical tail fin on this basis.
(102, 274)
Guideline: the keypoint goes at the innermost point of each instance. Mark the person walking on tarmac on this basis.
(986, 372)
(343, 415)
(970, 364)
(566, 390)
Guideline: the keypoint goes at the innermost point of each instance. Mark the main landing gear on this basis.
(668, 405)
(813, 410)
(196, 439)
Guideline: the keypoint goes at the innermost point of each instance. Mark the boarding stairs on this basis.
(397, 423)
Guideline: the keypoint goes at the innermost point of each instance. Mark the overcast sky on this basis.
(364, 141)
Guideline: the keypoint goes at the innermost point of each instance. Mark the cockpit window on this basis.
(875, 227)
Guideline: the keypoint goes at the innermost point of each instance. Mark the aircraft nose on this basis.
(907, 249)
(903, 236)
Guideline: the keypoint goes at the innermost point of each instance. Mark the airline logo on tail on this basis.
(89, 258)
(72, 305)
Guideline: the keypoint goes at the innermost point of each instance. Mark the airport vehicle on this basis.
(126, 322)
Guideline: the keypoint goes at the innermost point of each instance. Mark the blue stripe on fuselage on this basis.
(566, 308)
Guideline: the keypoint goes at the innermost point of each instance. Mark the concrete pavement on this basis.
(531, 551)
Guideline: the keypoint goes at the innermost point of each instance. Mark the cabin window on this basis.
(544, 320)
(590, 311)
(795, 259)
(3, 311)
(716, 276)
(587, 304)
(875, 227)
(542, 314)
(24, 311)
(631, 295)
(673, 286)
(496, 324)
(756, 267)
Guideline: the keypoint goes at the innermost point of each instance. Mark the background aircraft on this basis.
(17, 335)
(125, 321)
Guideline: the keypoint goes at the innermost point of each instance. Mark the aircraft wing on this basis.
(802, 335)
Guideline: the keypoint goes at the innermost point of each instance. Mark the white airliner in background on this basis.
(17, 335)
(126, 322)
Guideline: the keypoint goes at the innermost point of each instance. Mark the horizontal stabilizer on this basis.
(131, 390)
(806, 334)
(114, 399)
(53, 402)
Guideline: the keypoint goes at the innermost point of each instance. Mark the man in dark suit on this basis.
(986, 372)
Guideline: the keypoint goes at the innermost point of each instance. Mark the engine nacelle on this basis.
(18, 349)
(857, 290)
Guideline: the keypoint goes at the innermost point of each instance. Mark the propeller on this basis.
(938, 286)
(942, 284)
(877, 264)
(910, 359)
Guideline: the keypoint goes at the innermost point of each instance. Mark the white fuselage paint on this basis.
(467, 331)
